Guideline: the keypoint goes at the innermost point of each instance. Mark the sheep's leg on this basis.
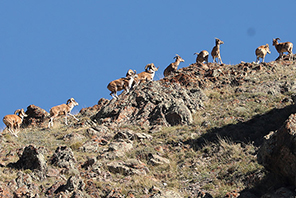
(257, 60)
(66, 122)
(127, 90)
(291, 55)
(50, 123)
(73, 116)
(11, 131)
(263, 59)
(220, 60)
(113, 94)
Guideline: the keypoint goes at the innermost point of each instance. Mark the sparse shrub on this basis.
(28, 171)
(76, 145)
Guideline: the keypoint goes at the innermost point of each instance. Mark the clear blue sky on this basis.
(51, 51)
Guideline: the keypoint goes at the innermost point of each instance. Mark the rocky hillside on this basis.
(206, 131)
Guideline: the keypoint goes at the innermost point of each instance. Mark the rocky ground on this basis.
(209, 130)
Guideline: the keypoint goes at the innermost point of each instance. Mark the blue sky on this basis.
(51, 51)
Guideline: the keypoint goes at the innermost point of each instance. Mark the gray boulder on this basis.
(153, 103)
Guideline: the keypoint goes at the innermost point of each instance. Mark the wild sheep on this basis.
(216, 51)
(173, 66)
(202, 56)
(63, 108)
(122, 83)
(146, 75)
(14, 121)
(283, 47)
(261, 52)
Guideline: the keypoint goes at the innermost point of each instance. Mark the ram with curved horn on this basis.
(283, 47)
(62, 109)
(122, 83)
(173, 66)
(202, 56)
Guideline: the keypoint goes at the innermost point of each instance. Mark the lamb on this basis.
(122, 83)
(261, 52)
(173, 66)
(62, 109)
(14, 121)
(216, 51)
(283, 47)
(202, 56)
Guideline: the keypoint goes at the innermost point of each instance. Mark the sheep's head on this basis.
(21, 113)
(130, 72)
(178, 58)
(218, 41)
(71, 100)
(275, 41)
(150, 67)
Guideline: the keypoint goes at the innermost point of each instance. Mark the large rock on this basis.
(278, 152)
(23, 186)
(36, 116)
(89, 111)
(63, 157)
(32, 158)
(153, 103)
(129, 167)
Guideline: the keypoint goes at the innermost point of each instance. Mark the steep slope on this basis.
(193, 134)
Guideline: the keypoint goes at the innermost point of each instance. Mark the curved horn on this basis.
(135, 71)
(196, 53)
(69, 100)
(17, 111)
(129, 72)
(147, 66)
(278, 39)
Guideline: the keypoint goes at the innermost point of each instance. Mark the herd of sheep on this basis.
(14, 121)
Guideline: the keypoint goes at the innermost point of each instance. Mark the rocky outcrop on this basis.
(153, 103)
(33, 159)
(278, 152)
(89, 111)
(36, 116)
(63, 157)
(23, 186)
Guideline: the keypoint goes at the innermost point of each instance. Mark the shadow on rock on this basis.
(245, 132)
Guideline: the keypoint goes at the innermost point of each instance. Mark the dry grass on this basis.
(215, 167)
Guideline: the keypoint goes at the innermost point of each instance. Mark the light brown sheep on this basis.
(283, 47)
(14, 121)
(62, 109)
(216, 51)
(122, 83)
(202, 56)
(173, 66)
(261, 52)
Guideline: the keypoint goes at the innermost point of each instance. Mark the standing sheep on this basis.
(216, 51)
(283, 47)
(62, 109)
(261, 52)
(14, 121)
